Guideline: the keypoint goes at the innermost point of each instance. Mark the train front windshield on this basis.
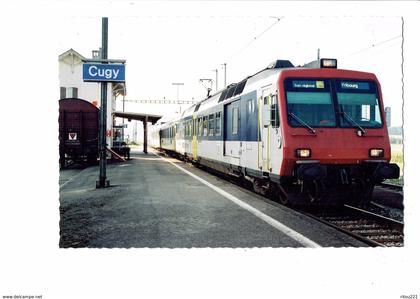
(358, 101)
(332, 103)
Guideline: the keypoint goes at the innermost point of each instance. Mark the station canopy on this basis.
(138, 116)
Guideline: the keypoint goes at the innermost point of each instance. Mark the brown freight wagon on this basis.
(79, 131)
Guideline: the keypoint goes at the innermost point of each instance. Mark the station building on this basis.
(73, 86)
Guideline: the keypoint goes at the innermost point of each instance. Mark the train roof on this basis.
(266, 76)
(236, 89)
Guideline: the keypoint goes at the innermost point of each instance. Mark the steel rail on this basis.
(392, 186)
(347, 232)
(381, 227)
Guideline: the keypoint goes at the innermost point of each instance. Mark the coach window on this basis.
(218, 124)
(250, 107)
(200, 126)
(186, 128)
(205, 125)
(235, 114)
(211, 124)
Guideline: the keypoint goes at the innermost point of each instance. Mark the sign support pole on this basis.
(103, 182)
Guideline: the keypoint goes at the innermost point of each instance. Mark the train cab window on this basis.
(309, 103)
(218, 124)
(235, 120)
(358, 104)
(211, 124)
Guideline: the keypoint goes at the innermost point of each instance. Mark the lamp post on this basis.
(177, 93)
(217, 75)
(224, 67)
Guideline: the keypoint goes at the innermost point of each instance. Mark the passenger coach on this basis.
(301, 133)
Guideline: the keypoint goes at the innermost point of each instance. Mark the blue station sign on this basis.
(94, 72)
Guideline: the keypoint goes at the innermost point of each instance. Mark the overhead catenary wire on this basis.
(372, 46)
(256, 37)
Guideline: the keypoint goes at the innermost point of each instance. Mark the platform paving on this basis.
(153, 204)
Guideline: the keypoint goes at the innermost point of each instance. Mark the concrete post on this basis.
(145, 135)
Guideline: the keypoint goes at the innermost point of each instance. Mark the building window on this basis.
(71, 92)
(62, 92)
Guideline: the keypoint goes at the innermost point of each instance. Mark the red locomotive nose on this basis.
(334, 147)
(333, 117)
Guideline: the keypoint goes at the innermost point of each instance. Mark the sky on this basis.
(167, 42)
(186, 45)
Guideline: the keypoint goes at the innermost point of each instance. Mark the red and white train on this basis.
(303, 133)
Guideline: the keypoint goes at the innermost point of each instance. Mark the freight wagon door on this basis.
(232, 130)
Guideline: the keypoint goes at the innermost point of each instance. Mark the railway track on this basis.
(371, 228)
(377, 227)
(392, 186)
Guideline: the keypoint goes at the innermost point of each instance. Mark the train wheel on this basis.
(261, 187)
(257, 186)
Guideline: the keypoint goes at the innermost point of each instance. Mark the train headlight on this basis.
(303, 152)
(329, 63)
(376, 152)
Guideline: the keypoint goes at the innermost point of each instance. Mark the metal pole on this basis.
(103, 182)
(145, 135)
(224, 67)
(177, 94)
(123, 117)
(217, 76)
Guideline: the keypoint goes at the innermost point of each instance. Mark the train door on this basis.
(232, 132)
(194, 138)
(264, 105)
(249, 130)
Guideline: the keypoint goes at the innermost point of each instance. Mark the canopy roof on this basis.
(138, 116)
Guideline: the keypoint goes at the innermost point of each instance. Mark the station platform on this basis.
(161, 202)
